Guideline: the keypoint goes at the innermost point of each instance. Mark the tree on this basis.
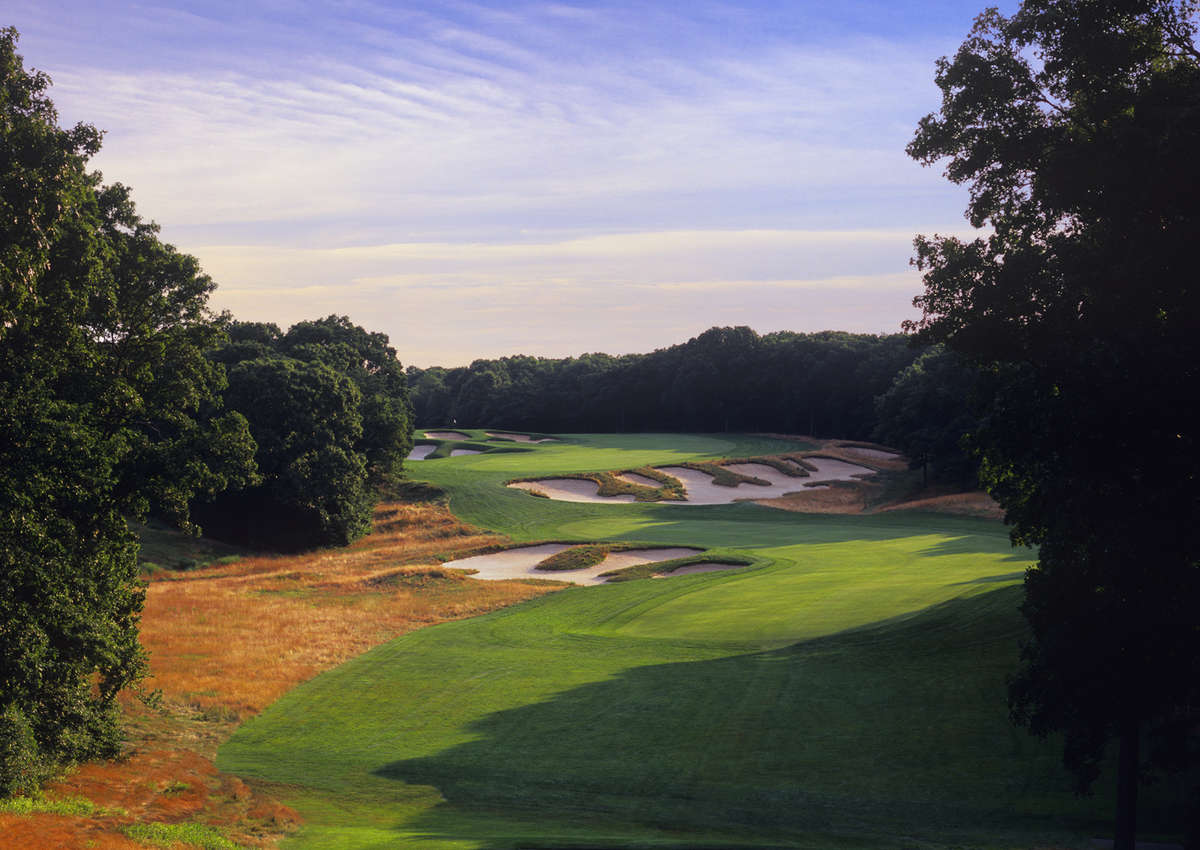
(926, 413)
(1075, 123)
(305, 420)
(103, 397)
(370, 362)
(327, 403)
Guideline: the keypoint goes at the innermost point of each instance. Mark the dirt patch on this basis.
(570, 490)
(152, 785)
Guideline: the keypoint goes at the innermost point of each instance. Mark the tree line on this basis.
(828, 384)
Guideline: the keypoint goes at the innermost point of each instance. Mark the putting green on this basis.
(847, 690)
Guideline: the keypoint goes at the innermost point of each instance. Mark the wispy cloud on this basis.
(456, 150)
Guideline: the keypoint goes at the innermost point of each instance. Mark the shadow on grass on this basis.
(896, 729)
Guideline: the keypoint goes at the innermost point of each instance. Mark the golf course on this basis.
(844, 688)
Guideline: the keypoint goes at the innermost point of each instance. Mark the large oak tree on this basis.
(108, 408)
(1076, 126)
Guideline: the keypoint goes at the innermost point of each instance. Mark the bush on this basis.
(20, 771)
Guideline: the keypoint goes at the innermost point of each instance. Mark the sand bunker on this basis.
(878, 454)
(570, 490)
(786, 483)
(446, 435)
(634, 478)
(520, 438)
(704, 567)
(830, 469)
(460, 452)
(421, 452)
(633, 557)
(520, 563)
(702, 491)
(511, 563)
(700, 487)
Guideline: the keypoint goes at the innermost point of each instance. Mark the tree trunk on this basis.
(1127, 784)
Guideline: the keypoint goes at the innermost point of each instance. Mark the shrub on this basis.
(20, 772)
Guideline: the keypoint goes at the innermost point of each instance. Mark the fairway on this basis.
(847, 689)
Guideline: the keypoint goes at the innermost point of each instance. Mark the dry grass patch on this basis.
(227, 640)
(236, 637)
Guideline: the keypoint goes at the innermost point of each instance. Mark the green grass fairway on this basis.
(848, 690)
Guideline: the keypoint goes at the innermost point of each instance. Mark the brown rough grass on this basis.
(228, 640)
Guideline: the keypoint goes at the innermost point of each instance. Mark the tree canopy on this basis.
(327, 404)
(108, 407)
(724, 379)
(1075, 125)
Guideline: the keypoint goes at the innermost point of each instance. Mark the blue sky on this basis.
(481, 178)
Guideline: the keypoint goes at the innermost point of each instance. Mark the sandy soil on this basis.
(570, 490)
(520, 438)
(829, 469)
(460, 452)
(702, 491)
(520, 563)
(633, 557)
(511, 563)
(421, 452)
(634, 478)
(446, 435)
(692, 569)
(783, 481)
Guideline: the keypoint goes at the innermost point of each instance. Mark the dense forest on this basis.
(725, 379)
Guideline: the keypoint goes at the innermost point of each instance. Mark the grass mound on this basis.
(576, 558)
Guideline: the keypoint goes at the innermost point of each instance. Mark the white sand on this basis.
(873, 453)
(511, 563)
(446, 435)
(421, 452)
(829, 469)
(781, 480)
(702, 491)
(520, 438)
(570, 490)
(692, 569)
(634, 478)
(700, 487)
(460, 452)
(520, 563)
(633, 557)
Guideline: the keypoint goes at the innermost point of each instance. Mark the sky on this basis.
(480, 179)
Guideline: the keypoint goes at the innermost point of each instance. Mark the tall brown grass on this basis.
(227, 640)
